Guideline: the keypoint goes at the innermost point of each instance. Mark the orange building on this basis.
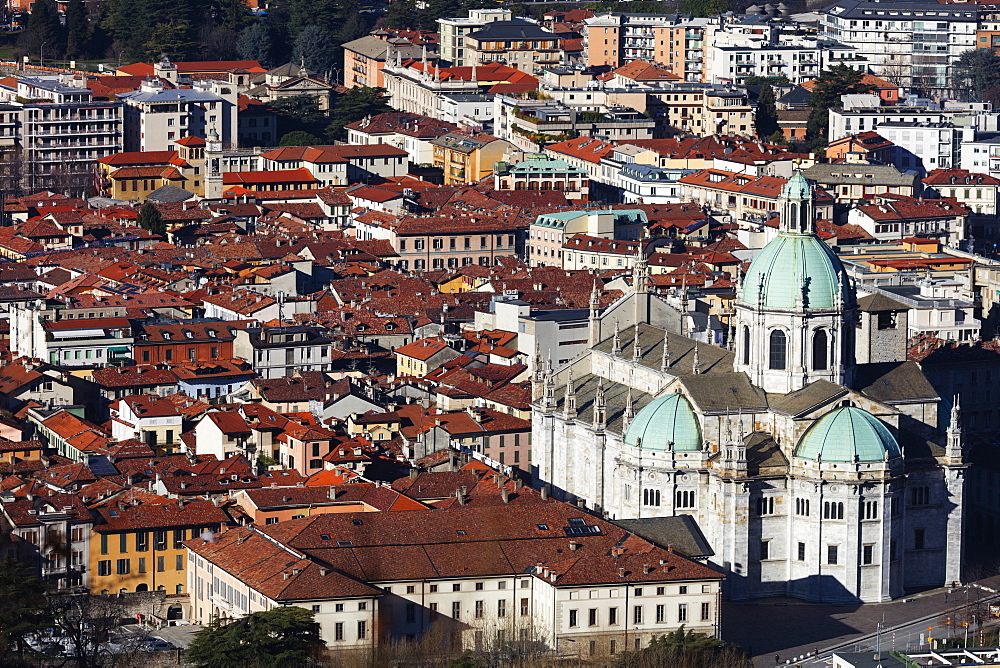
(270, 505)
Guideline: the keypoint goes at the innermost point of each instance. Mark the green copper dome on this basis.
(666, 423)
(842, 434)
(795, 270)
(797, 188)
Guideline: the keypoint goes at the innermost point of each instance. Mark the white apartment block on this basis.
(914, 44)
(156, 117)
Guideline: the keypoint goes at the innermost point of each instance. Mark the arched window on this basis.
(746, 345)
(778, 349)
(820, 351)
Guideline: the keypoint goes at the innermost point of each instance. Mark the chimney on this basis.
(545, 493)
(646, 569)
(413, 473)
(621, 572)
(322, 572)
(574, 546)
(505, 495)
(284, 576)
(295, 571)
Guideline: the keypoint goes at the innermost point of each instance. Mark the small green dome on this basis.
(797, 188)
(793, 266)
(666, 423)
(842, 434)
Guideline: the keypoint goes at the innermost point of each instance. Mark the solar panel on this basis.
(101, 467)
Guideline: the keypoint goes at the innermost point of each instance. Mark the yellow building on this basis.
(422, 356)
(134, 175)
(468, 158)
(138, 544)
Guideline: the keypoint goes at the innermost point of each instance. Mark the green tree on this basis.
(402, 14)
(685, 649)
(829, 86)
(314, 47)
(44, 28)
(355, 104)
(759, 81)
(254, 43)
(325, 14)
(300, 112)
(705, 8)
(300, 138)
(232, 14)
(150, 219)
(777, 138)
(975, 72)
(766, 118)
(77, 28)
(22, 607)
(173, 39)
(277, 638)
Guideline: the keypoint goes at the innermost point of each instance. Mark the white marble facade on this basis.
(865, 506)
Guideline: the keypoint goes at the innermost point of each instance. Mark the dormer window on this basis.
(166, 336)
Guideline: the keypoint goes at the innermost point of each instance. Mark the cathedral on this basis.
(812, 471)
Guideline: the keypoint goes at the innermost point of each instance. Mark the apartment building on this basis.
(895, 218)
(279, 351)
(53, 533)
(439, 242)
(365, 58)
(147, 418)
(616, 592)
(673, 41)
(411, 132)
(911, 42)
(452, 33)
(468, 158)
(156, 117)
(550, 231)
(518, 43)
(137, 546)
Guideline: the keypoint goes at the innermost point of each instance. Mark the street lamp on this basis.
(41, 54)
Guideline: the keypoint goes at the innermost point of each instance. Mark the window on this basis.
(180, 535)
(802, 552)
(685, 499)
(501, 608)
(831, 555)
(778, 350)
(456, 586)
(637, 614)
(338, 631)
(179, 562)
(362, 605)
(765, 505)
(833, 510)
(123, 543)
(802, 507)
(315, 608)
(869, 510)
(765, 550)
(456, 609)
(918, 539)
(411, 613)
(434, 588)
(479, 586)
(142, 564)
(682, 612)
(362, 630)
(613, 616)
(920, 496)
(661, 614)
(592, 617)
(746, 344)
(650, 497)
(572, 619)
(160, 537)
(122, 566)
(867, 554)
(338, 607)
(706, 611)
(820, 353)
(524, 607)
(104, 567)
(160, 564)
(478, 613)
(104, 543)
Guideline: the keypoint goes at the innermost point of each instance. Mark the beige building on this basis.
(518, 43)
(452, 33)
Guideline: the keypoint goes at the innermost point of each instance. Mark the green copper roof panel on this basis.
(794, 267)
(666, 423)
(842, 434)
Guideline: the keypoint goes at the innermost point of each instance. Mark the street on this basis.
(768, 628)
